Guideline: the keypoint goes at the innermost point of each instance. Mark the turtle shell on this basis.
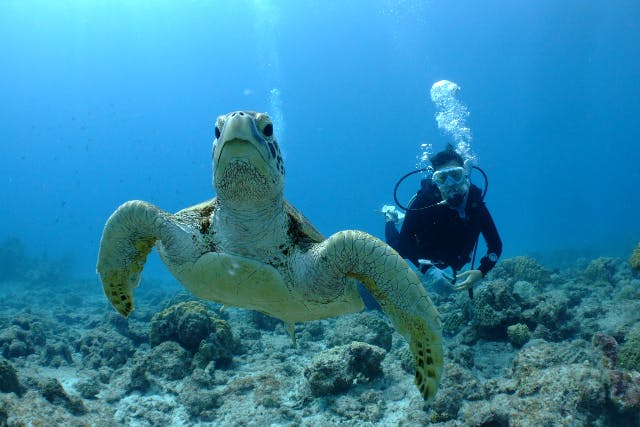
(302, 224)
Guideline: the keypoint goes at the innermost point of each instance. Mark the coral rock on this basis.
(22, 338)
(189, 324)
(335, 370)
(495, 309)
(629, 356)
(89, 389)
(53, 391)
(552, 310)
(8, 378)
(635, 258)
(199, 400)
(518, 334)
(624, 390)
(103, 346)
(600, 271)
(521, 268)
(608, 346)
(458, 385)
(369, 327)
(526, 292)
(169, 360)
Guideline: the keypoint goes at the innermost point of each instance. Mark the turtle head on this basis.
(247, 163)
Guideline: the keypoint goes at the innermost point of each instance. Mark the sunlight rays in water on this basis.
(267, 19)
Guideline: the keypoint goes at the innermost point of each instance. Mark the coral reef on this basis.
(521, 268)
(199, 397)
(53, 392)
(336, 370)
(608, 347)
(600, 271)
(104, 346)
(369, 408)
(132, 328)
(8, 378)
(369, 327)
(533, 348)
(458, 385)
(57, 354)
(553, 317)
(168, 360)
(495, 309)
(21, 337)
(456, 313)
(634, 261)
(541, 354)
(527, 293)
(629, 355)
(561, 379)
(518, 334)
(89, 388)
(196, 328)
(624, 391)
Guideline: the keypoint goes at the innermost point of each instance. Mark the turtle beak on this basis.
(238, 127)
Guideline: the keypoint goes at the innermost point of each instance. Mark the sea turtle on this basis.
(248, 247)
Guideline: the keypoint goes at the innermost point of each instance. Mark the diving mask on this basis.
(449, 176)
(453, 183)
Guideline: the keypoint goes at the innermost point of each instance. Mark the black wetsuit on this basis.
(439, 234)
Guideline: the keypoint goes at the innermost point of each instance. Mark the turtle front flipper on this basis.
(128, 237)
(399, 292)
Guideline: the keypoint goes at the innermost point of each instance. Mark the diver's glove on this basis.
(391, 214)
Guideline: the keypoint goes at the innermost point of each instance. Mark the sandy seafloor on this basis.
(536, 347)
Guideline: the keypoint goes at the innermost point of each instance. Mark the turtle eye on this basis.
(217, 132)
(268, 130)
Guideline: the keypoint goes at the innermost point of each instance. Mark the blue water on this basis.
(103, 102)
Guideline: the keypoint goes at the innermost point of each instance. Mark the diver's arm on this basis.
(406, 245)
(492, 238)
(399, 242)
(391, 235)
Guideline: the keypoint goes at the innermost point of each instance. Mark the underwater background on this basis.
(103, 102)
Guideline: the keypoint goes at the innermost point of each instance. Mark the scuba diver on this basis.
(443, 223)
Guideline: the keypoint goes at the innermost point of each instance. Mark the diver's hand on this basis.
(391, 214)
(425, 263)
(470, 278)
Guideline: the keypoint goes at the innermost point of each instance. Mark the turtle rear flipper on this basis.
(128, 237)
(399, 292)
